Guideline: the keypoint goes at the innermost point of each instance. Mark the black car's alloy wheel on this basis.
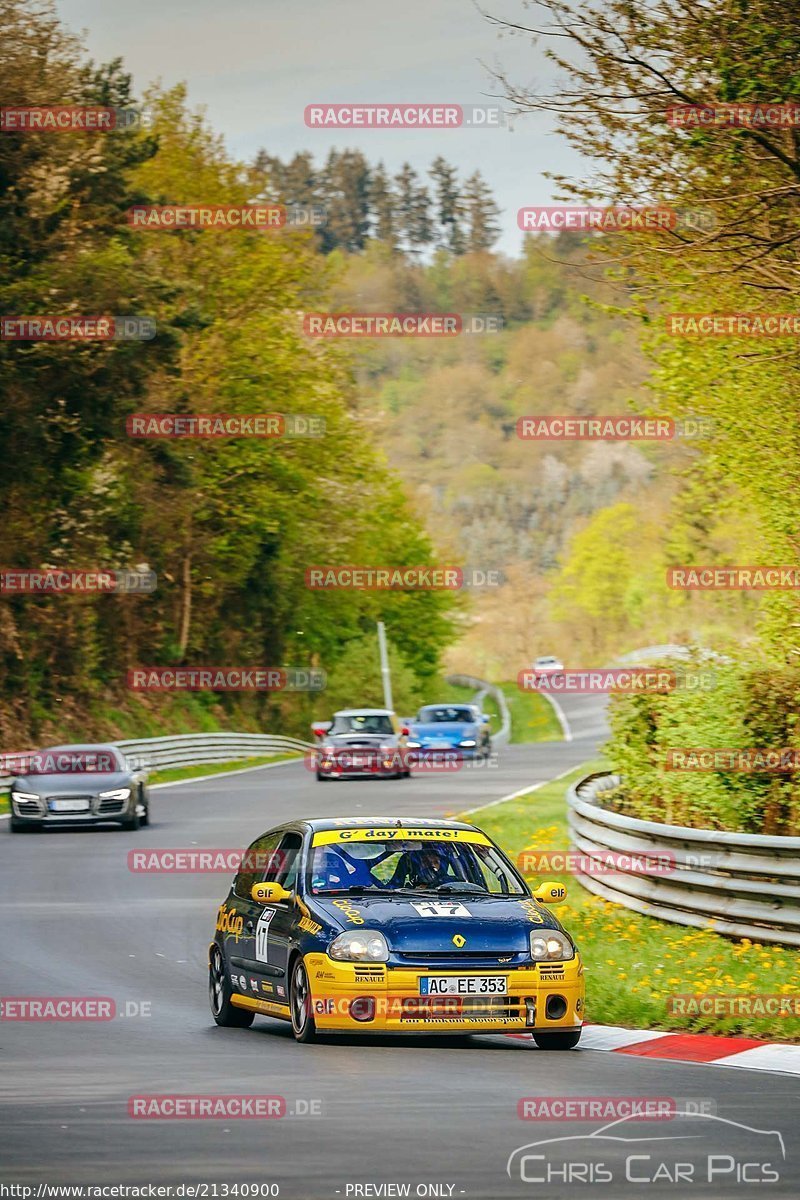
(303, 1025)
(219, 995)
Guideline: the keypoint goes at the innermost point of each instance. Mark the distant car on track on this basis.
(462, 728)
(548, 665)
(79, 785)
(367, 742)
(403, 925)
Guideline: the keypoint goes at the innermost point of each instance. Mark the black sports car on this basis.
(78, 785)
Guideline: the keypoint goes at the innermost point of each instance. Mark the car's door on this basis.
(276, 927)
(243, 915)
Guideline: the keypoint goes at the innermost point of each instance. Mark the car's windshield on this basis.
(362, 723)
(411, 865)
(436, 714)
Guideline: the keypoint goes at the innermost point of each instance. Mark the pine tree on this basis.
(449, 206)
(482, 214)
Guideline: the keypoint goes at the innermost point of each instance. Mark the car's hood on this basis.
(445, 730)
(79, 783)
(347, 741)
(428, 923)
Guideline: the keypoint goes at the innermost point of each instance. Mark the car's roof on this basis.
(364, 712)
(319, 823)
(83, 747)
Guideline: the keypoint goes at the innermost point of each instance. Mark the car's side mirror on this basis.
(549, 893)
(485, 718)
(269, 893)
(320, 728)
(405, 731)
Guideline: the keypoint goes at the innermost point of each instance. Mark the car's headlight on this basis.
(15, 795)
(116, 794)
(467, 742)
(550, 943)
(413, 745)
(364, 945)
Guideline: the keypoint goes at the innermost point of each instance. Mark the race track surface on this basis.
(418, 1111)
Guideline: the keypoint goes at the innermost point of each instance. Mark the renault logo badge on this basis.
(459, 941)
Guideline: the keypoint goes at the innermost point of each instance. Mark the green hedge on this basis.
(740, 707)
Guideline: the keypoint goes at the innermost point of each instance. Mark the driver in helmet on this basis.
(423, 868)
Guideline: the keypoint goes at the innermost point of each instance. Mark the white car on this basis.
(549, 665)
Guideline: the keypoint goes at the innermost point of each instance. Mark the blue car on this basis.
(462, 728)
(407, 926)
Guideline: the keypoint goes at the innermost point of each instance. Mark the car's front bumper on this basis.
(98, 812)
(533, 993)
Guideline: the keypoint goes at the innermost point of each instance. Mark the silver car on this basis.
(79, 785)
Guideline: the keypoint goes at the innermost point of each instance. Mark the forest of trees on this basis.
(363, 203)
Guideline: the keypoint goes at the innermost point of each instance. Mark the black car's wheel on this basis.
(15, 826)
(322, 778)
(144, 818)
(303, 1025)
(131, 823)
(558, 1041)
(219, 994)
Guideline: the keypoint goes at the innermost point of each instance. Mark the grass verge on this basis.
(635, 963)
(533, 718)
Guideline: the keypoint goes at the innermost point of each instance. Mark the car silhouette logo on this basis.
(459, 941)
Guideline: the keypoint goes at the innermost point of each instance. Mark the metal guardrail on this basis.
(487, 689)
(746, 885)
(194, 749)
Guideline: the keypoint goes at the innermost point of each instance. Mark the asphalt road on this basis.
(418, 1111)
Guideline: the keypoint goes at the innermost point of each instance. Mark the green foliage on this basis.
(730, 707)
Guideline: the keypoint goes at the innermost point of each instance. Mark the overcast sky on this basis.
(256, 64)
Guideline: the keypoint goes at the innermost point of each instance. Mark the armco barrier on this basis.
(740, 884)
(194, 749)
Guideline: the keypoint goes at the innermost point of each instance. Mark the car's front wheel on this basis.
(567, 1040)
(303, 1025)
(219, 994)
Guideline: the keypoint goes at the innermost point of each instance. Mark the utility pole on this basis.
(385, 672)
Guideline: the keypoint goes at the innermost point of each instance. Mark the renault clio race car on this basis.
(404, 926)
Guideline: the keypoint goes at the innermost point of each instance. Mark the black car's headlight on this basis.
(116, 794)
(468, 742)
(550, 944)
(17, 795)
(359, 945)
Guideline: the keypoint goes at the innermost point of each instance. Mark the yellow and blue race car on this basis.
(402, 925)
